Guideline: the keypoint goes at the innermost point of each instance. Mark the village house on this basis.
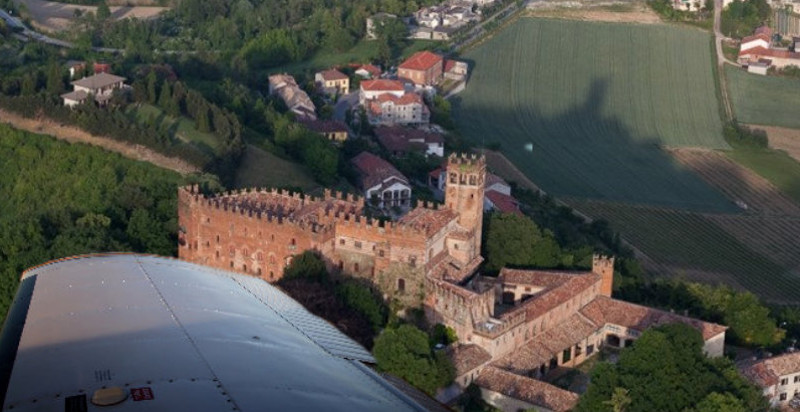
(333, 130)
(99, 86)
(422, 68)
(401, 140)
(757, 50)
(778, 377)
(388, 109)
(455, 70)
(368, 71)
(515, 327)
(75, 68)
(332, 82)
(371, 89)
(297, 101)
(381, 183)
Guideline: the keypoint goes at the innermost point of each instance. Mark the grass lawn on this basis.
(776, 166)
(364, 51)
(767, 100)
(259, 168)
(182, 127)
(593, 103)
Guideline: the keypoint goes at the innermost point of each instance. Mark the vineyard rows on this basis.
(692, 241)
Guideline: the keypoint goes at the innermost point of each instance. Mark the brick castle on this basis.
(511, 329)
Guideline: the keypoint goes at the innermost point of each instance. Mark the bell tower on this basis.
(466, 175)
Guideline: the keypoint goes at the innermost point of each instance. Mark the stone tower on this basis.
(604, 266)
(466, 175)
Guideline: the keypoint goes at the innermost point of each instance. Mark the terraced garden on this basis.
(595, 103)
(764, 100)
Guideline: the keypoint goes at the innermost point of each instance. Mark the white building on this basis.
(371, 89)
(779, 376)
(388, 109)
(383, 185)
(100, 86)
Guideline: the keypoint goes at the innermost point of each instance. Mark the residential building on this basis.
(332, 82)
(778, 377)
(757, 50)
(75, 68)
(401, 140)
(296, 99)
(422, 68)
(455, 70)
(388, 109)
(501, 202)
(100, 86)
(382, 184)
(333, 130)
(369, 71)
(370, 89)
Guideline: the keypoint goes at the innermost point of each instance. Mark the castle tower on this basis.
(604, 266)
(464, 193)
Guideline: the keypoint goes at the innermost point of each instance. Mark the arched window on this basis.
(401, 285)
(272, 259)
(355, 267)
(246, 252)
(217, 238)
(218, 254)
(260, 256)
(244, 268)
(294, 242)
(231, 251)
(259, 272)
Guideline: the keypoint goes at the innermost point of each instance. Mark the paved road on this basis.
(344, 104)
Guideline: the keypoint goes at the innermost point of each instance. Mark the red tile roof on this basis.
(467, 357)
(755, 37)
(449, 64)
(764, 30)
(492, 178)
(502, 202)
(333, 74)
(604, 310)
(405, 139)
(375, 71)
(527, 390)
(764, 52)
(375, 170)
(423, 60)
(767, 372)
(382, 85)
(554, 296)
(432, 221)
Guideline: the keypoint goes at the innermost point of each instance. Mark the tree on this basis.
(404, 352)
(55, 79)
(362, 299)
(103, 12)
(152, 92)
(719, 402)
(515, 240)
(619, 400)
(307, 265)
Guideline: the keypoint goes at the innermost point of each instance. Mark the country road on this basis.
(721, 60)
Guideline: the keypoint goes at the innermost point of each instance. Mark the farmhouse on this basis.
(757, 51)
(422, 68)
(298, 102)
(100, 86)
(779, 377)
(381, 183)
(332, 82)
(401, 140)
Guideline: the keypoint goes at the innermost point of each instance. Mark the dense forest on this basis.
(64, 199)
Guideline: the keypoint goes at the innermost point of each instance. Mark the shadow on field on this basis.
(583, 153)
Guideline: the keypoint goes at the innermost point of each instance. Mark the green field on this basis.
(182, 128)
(596, 102)
(776, 166)
(773, 101)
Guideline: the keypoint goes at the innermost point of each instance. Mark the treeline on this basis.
(741, 17)
(36, 93)
(64, 199)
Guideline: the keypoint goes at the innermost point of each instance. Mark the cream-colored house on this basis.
(332, 82)
(100, 86)
(778, 376)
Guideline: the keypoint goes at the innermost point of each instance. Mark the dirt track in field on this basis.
(638, 13)
(76, 135)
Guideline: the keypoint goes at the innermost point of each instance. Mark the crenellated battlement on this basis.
(465, 160)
